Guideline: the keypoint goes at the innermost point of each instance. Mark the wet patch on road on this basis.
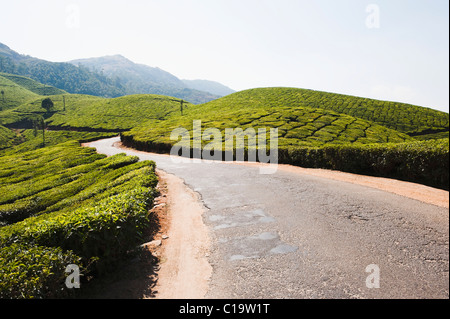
(256, 246)
(239, 217)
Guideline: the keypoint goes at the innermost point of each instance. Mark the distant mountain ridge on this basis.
(117, 66)
(209, 86)
(139, 78)
(109, 76)
(64, 76)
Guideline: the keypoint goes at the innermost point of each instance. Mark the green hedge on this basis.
(424, 162)
(52, 181)
(34, 271)
(64, 205)
(100, 235)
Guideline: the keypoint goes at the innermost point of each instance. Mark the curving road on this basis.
(299, 236)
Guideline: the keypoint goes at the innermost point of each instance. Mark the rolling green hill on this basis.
(405, 118)
(13, 94)
(19, 89)
(118, 114)
(303, 118)
(8, 138)
(32, 85)
(91, 113)
(313, 131)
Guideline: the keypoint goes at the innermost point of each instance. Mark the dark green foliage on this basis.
(28, 271)
(64, 205)
(47, 104)
(104, 232)
(424, 162)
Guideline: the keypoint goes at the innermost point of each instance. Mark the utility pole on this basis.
(64, 103)
(181, 105)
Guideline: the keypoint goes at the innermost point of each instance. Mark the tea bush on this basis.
(425, 162)
(34, 271)
(63, 205)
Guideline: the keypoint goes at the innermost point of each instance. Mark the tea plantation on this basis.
(63, 204)
(311, 122)
(66, 204)
(90, 113)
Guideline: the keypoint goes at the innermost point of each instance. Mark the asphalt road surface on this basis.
(288, 235)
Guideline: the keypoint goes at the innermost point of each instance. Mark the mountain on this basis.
(143, 79)
(110, 76)
(117, 66)
(64, 76)
(209, 86)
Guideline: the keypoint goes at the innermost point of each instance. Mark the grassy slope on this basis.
(27, 141)
(402, 117)
(14, 94)
(120, 113)
(298, 125)
(95, 113)
(303, 117)
(8, 138)
(32, 85)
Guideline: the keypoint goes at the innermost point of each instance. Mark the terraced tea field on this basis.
(67, 202)
(90, 113)
(402, 117)
(303, 118)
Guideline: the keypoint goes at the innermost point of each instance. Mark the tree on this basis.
(3, 95)
(47, 104)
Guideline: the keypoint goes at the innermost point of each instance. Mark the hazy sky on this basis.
(386, 49)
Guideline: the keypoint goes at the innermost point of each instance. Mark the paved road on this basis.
(298, 236)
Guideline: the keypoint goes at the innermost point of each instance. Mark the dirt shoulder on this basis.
(184, 268)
